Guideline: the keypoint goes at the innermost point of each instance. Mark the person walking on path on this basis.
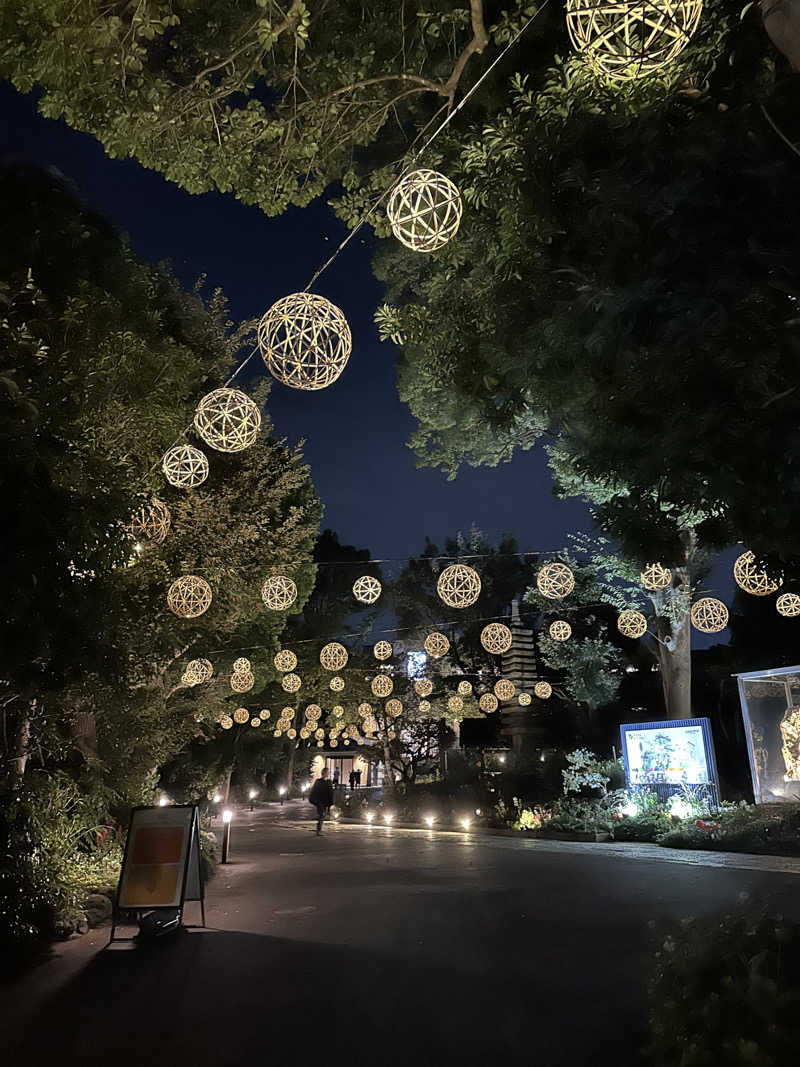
(321, 796)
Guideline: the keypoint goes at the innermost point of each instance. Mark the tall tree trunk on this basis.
(388, 774)
(227, 793)
(22, 736)
(290, 768)
(674, 647)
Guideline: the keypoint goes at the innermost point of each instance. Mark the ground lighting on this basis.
(370, 816)
(387, 819)
(466, 823)
(430, 819)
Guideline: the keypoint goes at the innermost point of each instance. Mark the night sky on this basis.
(355, 430)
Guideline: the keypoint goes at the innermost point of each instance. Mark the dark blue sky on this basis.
(356, 430)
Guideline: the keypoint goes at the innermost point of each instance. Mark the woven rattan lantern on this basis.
(285, 660)
(382, 650)
(382, 685)
(366, 589)
(424, 706)
(524, 700)
(632, 623)
(189, 596)
(333, 656)
(455, 704)
(290, 683)
(150, 523)
(655, 577)
(555, 581)
(393, 707)
(496, 638)
(751, 579)
(288, 713)
(788, 605)
(334, 743)
(504, 689)
(423, 687)
(242, 681)
(305, 733)
(226, 722)
(291, 732)
(197, 671)
(543, 690)
(255, 721)
(488, 703)
(241, 715)
(709, 615)
(278, 592)
(465, 688)
(305, 341)
(459, 586)
(336, 684)
(424, 210)
(625, 39)
(436, 645)
(319, 734)
(338, 711)
(313, 712)
(185, 466)
(227, 420)
(241, 664)
(364, 709)
(264, 714)
(560, 630)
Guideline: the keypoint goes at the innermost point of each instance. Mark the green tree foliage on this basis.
(103, 359)
(625, 250)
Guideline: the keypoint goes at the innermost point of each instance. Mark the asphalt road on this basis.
(377, 946)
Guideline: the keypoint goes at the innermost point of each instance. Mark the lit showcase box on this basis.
(670, 756)
(771, 712)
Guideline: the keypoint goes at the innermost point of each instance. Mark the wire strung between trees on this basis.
(407, 161)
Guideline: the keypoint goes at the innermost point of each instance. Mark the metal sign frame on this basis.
(193, 850)
(664, 790)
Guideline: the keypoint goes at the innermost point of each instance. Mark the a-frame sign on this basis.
(161, 866)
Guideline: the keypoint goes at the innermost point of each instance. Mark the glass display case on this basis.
(771, 712)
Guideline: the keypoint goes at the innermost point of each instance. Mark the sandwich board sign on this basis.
(161, 865)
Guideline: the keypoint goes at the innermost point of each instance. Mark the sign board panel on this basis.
(664, 756)
(154, 870)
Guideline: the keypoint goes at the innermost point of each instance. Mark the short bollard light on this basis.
(227, 815)
(466, 822)
(217, 798)
(282, 792)
(252, 796)
(388, 818)
(430, 820)
(163, 800)
(370, 816)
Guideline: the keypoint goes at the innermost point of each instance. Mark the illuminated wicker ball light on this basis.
(241, 715)
(455, 704)
(382, 685)
(436, 645)
(632, 623)
(227, 420)
(185, 466)
(290, 683)
(285, 660)
(255, 721)
(226, 722)
(423, 687)
(336, 684)
(382, 650)
(366, 589)
(150, 523)
(189, 597)
(560, 630)
(241, 664)
(655, 577)
(424, 706)
(424, 210)
(459, 586)
(504, 689)
(364, 709)
(555, 581)
(197, 671)
(752, 580)
(394, 707)
(496, 638)
(488, 703)
(278, 592)
(465, 688)
(627, 39)
(709, 615)
(543, 690)
(242, 681)
(333, 656)
(524, 700)
(305, 341)
(264, 714)
(788, 605)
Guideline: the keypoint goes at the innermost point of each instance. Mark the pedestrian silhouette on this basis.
(321, 796)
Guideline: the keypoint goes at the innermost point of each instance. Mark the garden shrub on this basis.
(726, 993)
(648, 826)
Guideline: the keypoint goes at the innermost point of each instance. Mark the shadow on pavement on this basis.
(221, 998)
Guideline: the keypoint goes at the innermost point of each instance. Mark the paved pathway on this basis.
(378, 946)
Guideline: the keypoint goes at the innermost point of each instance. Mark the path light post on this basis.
(282, 793)
(252, 795)
(227, 815)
